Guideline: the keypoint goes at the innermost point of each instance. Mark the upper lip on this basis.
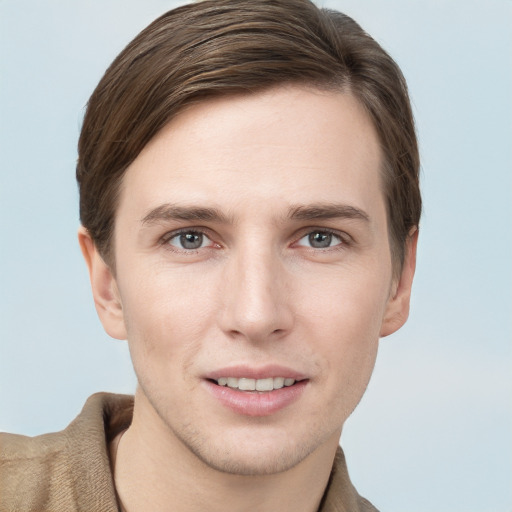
(252, 372)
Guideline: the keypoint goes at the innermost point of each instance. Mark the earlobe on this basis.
(397, 310)
(104, 288)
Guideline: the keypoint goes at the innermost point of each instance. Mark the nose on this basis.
(257, 303)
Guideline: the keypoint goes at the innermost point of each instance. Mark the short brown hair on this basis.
(222, 47)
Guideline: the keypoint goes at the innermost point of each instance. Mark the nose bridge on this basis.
(256, 305)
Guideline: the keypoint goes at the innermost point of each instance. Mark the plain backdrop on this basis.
(434, 431)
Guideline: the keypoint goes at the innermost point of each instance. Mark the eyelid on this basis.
(164, 240)
(345, 238)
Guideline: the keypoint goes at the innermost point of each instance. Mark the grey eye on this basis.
(320, 240)
(189, 240)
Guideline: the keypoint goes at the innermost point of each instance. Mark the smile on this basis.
(247, 384)
(248, 396)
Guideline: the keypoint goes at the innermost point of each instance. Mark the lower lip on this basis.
(254, 403)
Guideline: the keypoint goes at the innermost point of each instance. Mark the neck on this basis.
(153, 470)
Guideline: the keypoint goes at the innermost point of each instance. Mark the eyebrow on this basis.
(327, 211)
(321, 211)
(168, 212)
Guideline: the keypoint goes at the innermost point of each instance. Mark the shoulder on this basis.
(28, 465)
(68, 469)
(341, 495)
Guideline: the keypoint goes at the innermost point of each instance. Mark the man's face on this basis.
(251, 246)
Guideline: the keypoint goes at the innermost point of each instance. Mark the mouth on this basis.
(260, 385)
(248, 395)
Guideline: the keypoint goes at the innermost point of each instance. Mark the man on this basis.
(249, 199)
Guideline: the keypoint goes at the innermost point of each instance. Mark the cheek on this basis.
(349, 301)
(345, 320)
(165, 315)
(350, 345)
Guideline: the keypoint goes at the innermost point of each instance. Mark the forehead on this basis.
(284, 146)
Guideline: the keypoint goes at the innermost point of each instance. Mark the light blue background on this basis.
(434, 431)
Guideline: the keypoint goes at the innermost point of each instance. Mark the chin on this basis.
(253, 461)
(253, 451)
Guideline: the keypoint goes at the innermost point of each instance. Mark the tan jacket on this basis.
(70, 470)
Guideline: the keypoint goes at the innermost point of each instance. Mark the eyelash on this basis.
(345, 239)
(165, 240)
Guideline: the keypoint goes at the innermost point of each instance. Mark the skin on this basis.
(259, 291)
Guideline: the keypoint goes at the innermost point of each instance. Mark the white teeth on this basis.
(244, 384)
(265, 384)
(278, 382)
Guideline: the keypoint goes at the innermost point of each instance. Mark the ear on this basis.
(397, 309)
(104, 288)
